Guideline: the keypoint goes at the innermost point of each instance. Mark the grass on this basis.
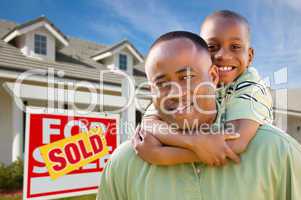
(15, 197)
(18, 197)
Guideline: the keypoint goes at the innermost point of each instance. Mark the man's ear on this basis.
(251, 55)
(213, 72)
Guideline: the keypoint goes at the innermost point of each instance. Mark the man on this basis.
(269, 169)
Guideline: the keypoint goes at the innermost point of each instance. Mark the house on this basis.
(64, 64)
(287, 111)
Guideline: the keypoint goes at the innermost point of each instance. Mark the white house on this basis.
(287, 111)
(75, 65)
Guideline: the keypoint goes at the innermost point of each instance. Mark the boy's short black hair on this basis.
(196, 39)
(232, 15)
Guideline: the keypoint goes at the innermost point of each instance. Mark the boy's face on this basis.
(176, 69)
(228, 42)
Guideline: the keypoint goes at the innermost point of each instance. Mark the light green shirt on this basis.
(269, 170)
(246, 98)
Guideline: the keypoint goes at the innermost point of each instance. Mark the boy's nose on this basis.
(223, 54)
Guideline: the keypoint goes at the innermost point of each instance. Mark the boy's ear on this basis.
(213, 72)
(251, 55)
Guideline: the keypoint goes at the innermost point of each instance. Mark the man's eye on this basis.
(188, 77)
(162, 84)
(212, 47)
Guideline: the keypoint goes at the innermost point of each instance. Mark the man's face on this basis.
(181, 75)
(228, 42)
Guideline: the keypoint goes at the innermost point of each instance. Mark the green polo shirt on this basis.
(269, 170)
(246, 98)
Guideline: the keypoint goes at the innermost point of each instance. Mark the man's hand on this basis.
(213, 149)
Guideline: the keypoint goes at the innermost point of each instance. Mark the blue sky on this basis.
(275, 24)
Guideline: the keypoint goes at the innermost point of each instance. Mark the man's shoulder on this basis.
(271, 137)
(123, 151)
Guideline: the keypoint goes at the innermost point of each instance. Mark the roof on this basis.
(115, 46)
(57, 33)
(75, 59)
(6, 26)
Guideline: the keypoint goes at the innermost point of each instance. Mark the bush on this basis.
(11, 177)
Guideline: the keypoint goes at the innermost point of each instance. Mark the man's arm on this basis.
(289, 187)
(108, 188)
(111, 182)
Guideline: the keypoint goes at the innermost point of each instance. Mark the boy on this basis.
(245, 103)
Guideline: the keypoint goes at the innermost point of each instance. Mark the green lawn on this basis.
(17, 197)
(85, 197)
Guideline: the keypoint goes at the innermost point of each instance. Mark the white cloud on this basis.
(111, 31)
(150, 17)
(294, 4)
(278, 43)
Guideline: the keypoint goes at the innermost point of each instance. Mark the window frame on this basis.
(123, 64)
(40, 44)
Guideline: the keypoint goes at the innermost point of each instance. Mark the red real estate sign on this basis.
(48, 127)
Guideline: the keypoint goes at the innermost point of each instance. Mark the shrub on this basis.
(11, 176)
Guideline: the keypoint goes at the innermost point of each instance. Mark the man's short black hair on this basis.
(232, 15)
(196, 39)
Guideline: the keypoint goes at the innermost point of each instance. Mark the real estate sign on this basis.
(65, 153)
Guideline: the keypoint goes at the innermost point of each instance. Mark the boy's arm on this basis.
(249, 106)
(247, 129)
(151, 150)
(210, 149)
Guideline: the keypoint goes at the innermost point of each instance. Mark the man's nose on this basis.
(223, 54)
(177, 92)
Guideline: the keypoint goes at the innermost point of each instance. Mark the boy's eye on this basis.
(235, 46)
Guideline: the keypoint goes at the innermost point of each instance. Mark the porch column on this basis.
(17, 132)
(128, 117)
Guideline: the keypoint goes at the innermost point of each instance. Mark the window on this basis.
(40, 44)
(122, 62)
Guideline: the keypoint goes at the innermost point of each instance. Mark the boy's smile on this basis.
(228, 42)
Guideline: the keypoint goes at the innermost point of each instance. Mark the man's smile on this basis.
(185, 108)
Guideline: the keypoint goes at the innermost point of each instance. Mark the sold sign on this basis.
(66, 155)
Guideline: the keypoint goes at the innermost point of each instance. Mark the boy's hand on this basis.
(238, 146)
(146, 145)
(213, 149)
